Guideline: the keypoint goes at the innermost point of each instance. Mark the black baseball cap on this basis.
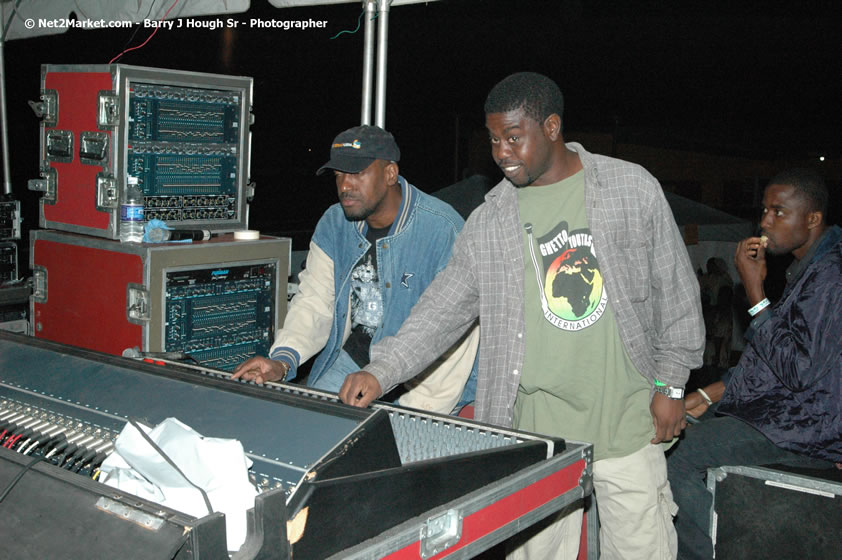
(356, 148)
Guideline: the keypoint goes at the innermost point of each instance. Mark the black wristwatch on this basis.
(674, 393)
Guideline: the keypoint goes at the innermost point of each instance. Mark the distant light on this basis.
(821, 158)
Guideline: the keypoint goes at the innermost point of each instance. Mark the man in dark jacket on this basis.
(782, 403)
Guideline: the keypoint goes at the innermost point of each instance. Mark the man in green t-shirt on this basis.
(590, 312)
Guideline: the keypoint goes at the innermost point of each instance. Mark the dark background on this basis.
(748, 78)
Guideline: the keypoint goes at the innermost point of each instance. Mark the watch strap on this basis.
(670, 391)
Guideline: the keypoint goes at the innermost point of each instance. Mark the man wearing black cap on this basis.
(370, 259)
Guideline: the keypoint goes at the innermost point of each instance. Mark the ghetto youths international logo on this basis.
(572, 291)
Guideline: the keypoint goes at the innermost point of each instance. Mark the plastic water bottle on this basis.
(131, 213)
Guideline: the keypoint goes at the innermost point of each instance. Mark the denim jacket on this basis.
(416, 248)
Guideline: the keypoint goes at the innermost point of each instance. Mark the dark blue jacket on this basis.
(787, 382)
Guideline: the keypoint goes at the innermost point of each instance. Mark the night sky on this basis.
(750, 78)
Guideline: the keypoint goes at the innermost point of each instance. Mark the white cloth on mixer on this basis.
(218, 466)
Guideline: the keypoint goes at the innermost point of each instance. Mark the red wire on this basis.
(148, 38)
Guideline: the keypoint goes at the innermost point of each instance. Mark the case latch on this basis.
(108, 109)
(440, 532)
(107, 192)
(39, 284)
(47, 108)
(137, 304)
(46, 184)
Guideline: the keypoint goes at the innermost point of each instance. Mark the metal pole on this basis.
(382, 51)
(7, 175)
(370, 7)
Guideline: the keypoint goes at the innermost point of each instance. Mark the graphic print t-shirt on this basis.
(577, 379)
(366, 301)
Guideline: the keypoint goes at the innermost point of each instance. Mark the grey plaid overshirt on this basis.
(650, 283)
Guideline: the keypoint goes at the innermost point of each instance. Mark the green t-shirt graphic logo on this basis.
(572, 291)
